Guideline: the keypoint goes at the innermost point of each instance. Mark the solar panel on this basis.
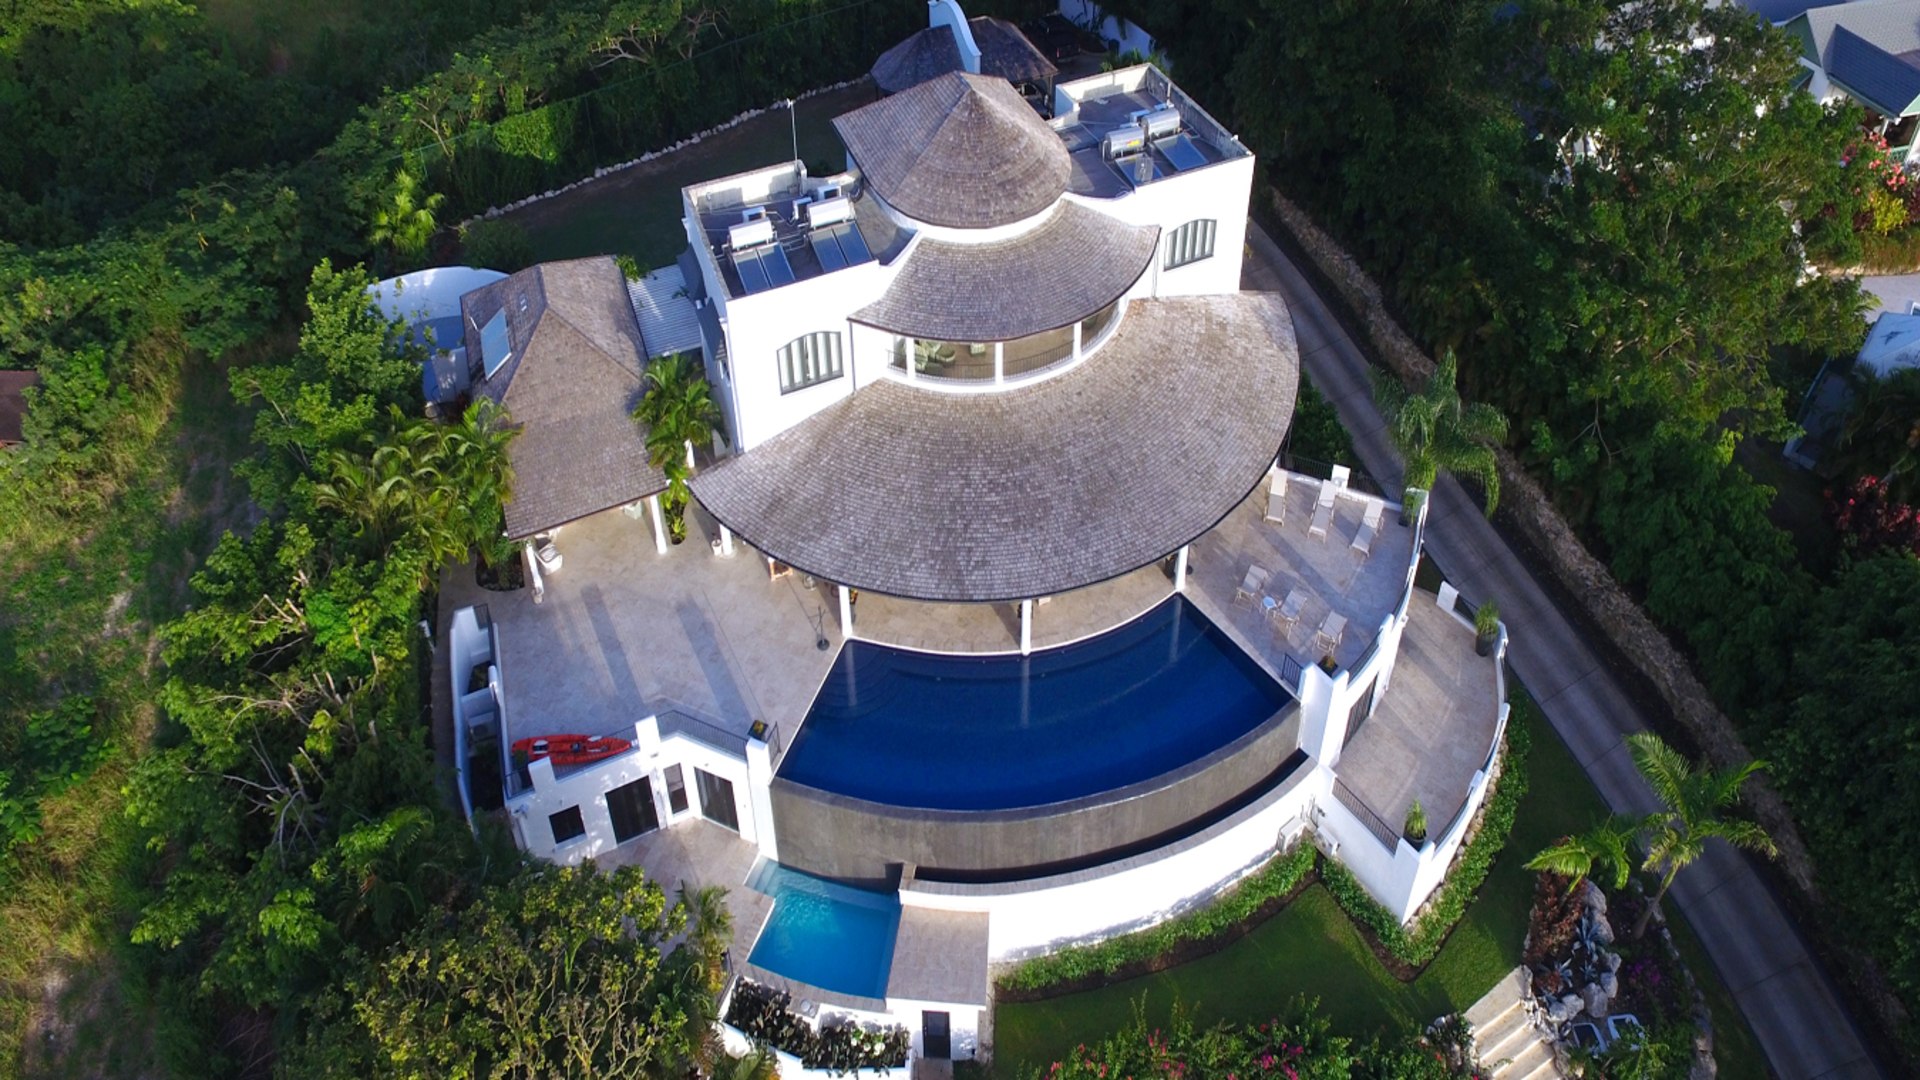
(763, 268)
(852, 243)
(827, 250)
(752, 278)
(1181, 153)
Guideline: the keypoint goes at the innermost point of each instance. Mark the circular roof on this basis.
(961, 151)
(1036, 490)
(1074, 265)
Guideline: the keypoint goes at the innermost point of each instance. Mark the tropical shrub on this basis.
(1869, 521)
(765, 1015)
(1143, 949)
(497, 244)
(1298, 1047)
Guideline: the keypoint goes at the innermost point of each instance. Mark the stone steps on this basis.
(1504, 1037)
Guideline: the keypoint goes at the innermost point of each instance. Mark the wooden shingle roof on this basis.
(570, 388)
(1036, 490)
(1076, 263)
(962, 151)
(1004, 51)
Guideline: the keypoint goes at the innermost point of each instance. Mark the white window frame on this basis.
(811, 359)
(1190, 243)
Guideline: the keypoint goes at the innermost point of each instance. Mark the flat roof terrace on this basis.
(797, 249)
(1332, 575)
(1087, 110)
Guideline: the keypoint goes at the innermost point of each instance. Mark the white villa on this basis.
(1003, 626)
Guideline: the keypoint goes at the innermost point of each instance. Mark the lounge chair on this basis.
(1322, 511)
(1251, 585)
(1277, 497)
(1363, 539)
(1289, 612)
(1341, 474)
(1332, 629)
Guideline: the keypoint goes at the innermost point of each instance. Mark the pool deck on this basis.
(1333, 576)
(1434, 727)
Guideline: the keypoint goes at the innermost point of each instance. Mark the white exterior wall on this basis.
(1045, 915)
(1110, 27)
(963, 1026)
(1220, 191)
(587, 789)
(760, 325)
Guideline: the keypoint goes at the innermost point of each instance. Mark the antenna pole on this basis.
(793, 125)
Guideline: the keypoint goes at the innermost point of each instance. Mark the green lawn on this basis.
(637, 211)
(1311, 949)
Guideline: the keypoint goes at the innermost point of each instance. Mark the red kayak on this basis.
(571, 749)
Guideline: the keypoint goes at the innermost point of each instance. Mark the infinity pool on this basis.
(996, 732)
(825, 934)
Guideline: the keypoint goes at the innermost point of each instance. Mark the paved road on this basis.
(1784, 994)
(1892, 292)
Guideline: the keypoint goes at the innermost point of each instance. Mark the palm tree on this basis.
(1435, 431)
(677, 409)
(1693, 799)
(756, 1064)
(1601, 848)
(709, 928)
(406, 221)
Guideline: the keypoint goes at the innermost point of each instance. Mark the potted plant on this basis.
(1415, 830)
(1486, 628)
(1328, 664)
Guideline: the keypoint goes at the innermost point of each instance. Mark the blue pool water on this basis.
(826, 934)
(996, 732)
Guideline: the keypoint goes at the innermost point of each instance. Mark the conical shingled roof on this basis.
(962, 151)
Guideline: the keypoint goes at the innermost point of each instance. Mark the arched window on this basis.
(810, 359)
(1190, 243)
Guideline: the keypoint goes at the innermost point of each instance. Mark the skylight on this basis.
(495, 349)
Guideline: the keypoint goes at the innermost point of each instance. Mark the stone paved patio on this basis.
(1433, 728)
(625, 632)
(1334, 577)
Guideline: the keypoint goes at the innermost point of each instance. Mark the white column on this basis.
(999, 361)
(689, 453)
(726, 539)
(846, 613)
(1076, 341)
(760, 796)
(1026, 627)
(1180, 569)
(659, 523)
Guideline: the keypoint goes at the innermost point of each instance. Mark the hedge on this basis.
(1229, 912)
(1419, 946)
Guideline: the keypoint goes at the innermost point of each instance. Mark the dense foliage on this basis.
(766, 1016)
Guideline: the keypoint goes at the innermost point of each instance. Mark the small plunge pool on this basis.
(825, 934)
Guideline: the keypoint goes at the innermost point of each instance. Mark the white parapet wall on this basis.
(1042, 914)
(1403, 876)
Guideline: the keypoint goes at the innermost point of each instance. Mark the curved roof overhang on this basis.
(1071, 266)
(1037, 490)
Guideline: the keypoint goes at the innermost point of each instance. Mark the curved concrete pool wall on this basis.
(856, 840)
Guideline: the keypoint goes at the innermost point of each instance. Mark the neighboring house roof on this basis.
(1004, 51)
(1865, 46)
(570, 386)
(962, 151)
(1036, 490)
(663, 305)
(1779, 11)
(1887, 82)
(13, 404)
(1076, 263)
(1893, 344)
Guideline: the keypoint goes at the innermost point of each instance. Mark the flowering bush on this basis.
(1869, 519)
(1890, 192)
